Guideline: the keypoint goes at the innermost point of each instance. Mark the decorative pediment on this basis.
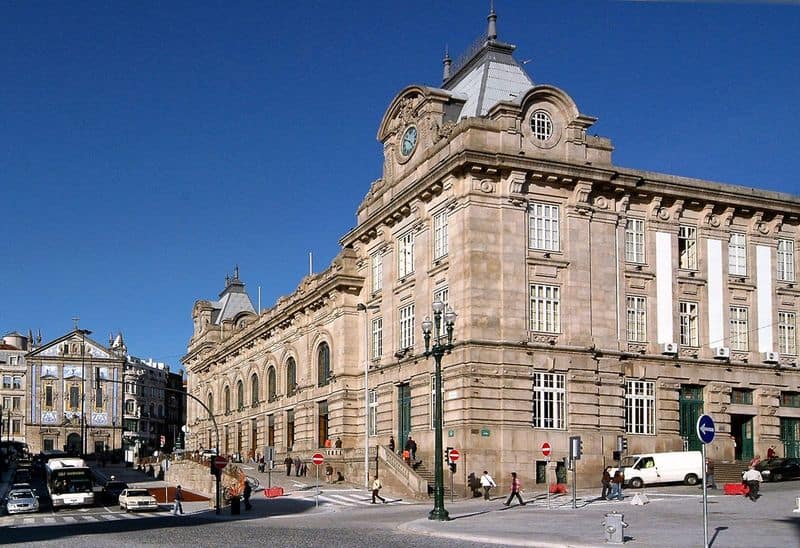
(69, 346)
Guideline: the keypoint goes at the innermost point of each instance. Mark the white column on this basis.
(716, 333)
(764, 297)
(664, 288)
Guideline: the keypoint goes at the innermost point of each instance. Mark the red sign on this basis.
(454, 455)
(317, 459)
(220, 462)
(546, 449)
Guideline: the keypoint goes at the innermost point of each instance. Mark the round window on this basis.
(541, 125)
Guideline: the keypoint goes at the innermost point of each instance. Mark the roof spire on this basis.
(492, 18)
(448, 62)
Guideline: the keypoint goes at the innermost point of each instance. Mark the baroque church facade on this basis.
(592, 300)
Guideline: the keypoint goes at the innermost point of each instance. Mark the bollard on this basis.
(614, 527)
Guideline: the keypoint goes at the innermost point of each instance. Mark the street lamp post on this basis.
(83, 333)
(442, 335)
(366, 309)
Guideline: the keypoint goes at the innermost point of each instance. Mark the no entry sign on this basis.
(220, 462)
(454, 455)
(317, 459)
(546, 449)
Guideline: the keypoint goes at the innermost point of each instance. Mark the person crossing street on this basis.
(376, 487)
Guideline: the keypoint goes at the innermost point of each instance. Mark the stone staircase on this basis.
(729, 472)
(430, 477)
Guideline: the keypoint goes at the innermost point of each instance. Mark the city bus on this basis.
(70, 483)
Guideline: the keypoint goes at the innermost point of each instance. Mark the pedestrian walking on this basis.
(391, 444)
(338, 443)
(261, 465)
(516, 489)
(616, 485)
(298, 466)
(771, 454)
(411, 447)
(288, 463)
(328, 473)
(178, 498)
(606, 483)
(752, 479)
(248, 490)
(304, 470)
(710, 474)
(376, 487)
(487, 483)
(755, 461)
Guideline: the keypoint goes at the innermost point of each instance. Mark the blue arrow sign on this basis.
(705, 428)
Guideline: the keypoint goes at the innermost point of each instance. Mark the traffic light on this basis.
(447, 454)
(624, 445)
(453, 467)
(575, 447)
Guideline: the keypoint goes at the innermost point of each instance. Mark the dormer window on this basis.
(541, 125)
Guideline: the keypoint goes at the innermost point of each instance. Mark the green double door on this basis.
(691, 407)
(790, 434)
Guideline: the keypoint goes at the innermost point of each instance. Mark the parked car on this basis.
(671, 467)
(208, 453)
(112, 490)
(137, 499)
(19, 501)
(779, 469)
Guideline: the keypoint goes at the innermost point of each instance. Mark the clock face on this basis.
(409, 141)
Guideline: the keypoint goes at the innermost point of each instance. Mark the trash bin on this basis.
(613, 527)
(236, 505)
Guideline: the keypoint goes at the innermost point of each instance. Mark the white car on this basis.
(137, 499)
(19, 501)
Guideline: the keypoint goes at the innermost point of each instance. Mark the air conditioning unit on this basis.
(669, 349)
(722, 353)
(771, 357)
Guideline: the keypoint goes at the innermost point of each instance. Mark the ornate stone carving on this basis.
(601, 202)
(443, 131)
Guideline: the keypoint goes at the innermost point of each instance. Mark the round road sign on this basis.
(705, 429)
(317, 459)
(220, 462)
(454, 455)
(546, 449)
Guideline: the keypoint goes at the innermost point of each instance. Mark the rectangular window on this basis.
(634, 241)
(13, 360)
(640, 407)
(637, 319)
(738, 328)
(787, 333)
(377, 338)
(407, 326)
(790, 399)
(16, 427)
(98, 396)
(737, 255)
(689, 324)
(74, 397)
(7, 381)
(549, 400)
(372, 420)
(376, 261)
(18, 383)
(443, 295)
(16, 403)
(544, 227)
(440, 235)
(405, 255)
(545, 308)
(785, 260)
(687, 247)
(742, 396)
(289, 428)
(48, 396)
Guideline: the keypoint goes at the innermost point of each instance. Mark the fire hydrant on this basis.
(614, 526)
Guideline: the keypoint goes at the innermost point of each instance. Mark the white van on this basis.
(652, 468)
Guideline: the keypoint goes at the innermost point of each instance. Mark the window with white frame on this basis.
(376, 261)
(372, 420)
(377, 338)
(737, 255)
(637, 319)
(738, 328)
(687, 247)
(545, 308)
(787, 333)
(634, 241)
(13, 360)
(405, 255)
(407, 326)
(549, 400)
(442, 294)
(785, 258)
(541, 125)
(640, 407)
(544, 227)
(18, 383)
(689, 323)
(7, 381)
(440, 235)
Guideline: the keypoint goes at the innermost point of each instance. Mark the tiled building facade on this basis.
(592, 299)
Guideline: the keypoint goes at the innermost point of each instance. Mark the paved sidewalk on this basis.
(669, 520)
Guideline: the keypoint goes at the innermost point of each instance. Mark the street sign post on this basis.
(220, 462)
(453, 455)
(546, 452)
(318, 459)
(705, 431)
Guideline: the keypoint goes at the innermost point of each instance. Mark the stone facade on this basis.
(13, 347)
(592, 300)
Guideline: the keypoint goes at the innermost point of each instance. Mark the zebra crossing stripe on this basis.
(28, 521)
(49, 520)
(69, 519)
(332, 500)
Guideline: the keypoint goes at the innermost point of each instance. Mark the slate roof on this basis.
(232, 301)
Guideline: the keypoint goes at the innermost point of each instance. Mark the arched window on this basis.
(323, 364)
(239, 396)
(227, 399)
(272, 389)
(210, 402)
(291, 377)
(254, 389)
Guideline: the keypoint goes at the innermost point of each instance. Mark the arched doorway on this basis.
(74, 444)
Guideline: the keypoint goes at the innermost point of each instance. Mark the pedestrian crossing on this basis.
(346, 498)
(57, 520)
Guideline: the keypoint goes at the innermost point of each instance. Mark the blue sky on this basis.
(146, 148)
